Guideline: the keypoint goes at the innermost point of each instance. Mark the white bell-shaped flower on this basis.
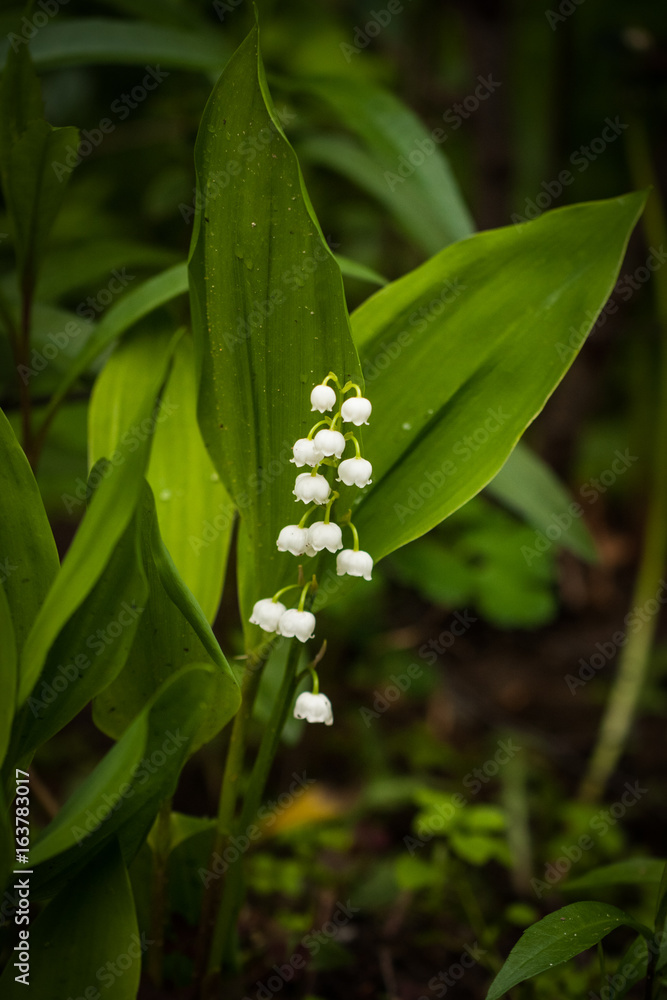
(311, 489)
(293, 539)
(313, 708)
(354, 563)
(310, 551)
(297, 623)
(355, 472)
(267, 613)
(329, 442)
(305, 453)
(322, 398)
(325, 536)
(356, 410)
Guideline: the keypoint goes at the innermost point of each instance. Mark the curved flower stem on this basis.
(352, 385)
(221, 950)
(304, 592)
(327, 421)
(327, 512)
(356, 536)
(331, 377)
(351, 437)
(283, 590)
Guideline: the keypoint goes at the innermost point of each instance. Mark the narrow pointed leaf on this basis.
(557, 938)
(268, 312)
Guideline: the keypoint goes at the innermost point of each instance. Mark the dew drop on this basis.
(239, 252)
(407, 427)
(165, 494)
(249, 264)
(215, 478)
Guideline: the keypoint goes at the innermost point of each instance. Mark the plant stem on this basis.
(158, 892)
(227, 802)
(231, 898)
(634, 658)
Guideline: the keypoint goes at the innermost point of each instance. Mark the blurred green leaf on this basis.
(633, 871)
(425, 199)
(8, 672)
(268, 312)
(556, 938)
(85, 41)
(90, 933)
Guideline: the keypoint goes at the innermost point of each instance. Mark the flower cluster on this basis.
(323, 448)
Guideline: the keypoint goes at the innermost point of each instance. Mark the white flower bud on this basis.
(311, 489)
(297, 623)
(313, 708)
(354, 563)
(329, 442)
(305, 453)
(293, 539)
(325, 536)
(267, 613)
(356, 410)
(323, 398)
(355, 472)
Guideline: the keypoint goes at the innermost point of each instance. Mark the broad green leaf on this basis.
(460, 356)
(83, 938)
(194, 511)
(268, 312)
(527, 486)
(634, 871)
(394, 158)
(8, 672)
(35, 189)
(135, 304)
(351, 269)
(121, 797)
(556, 938)
(107, 519)
(173, 632)
(29, 554)
(91, 646)
(86, 41)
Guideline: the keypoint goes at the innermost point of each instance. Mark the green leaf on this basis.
(527, 486)
(558, 937)
(107, 519)
(26, 542)
(268, 312)
(172, 633)
(8, 672)
(425, 200)
(351, 269)
(20, 103)
(35, 189)
(474, 331)
(633, 871)
(121, 797)
(90, 932)
(86, 41)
